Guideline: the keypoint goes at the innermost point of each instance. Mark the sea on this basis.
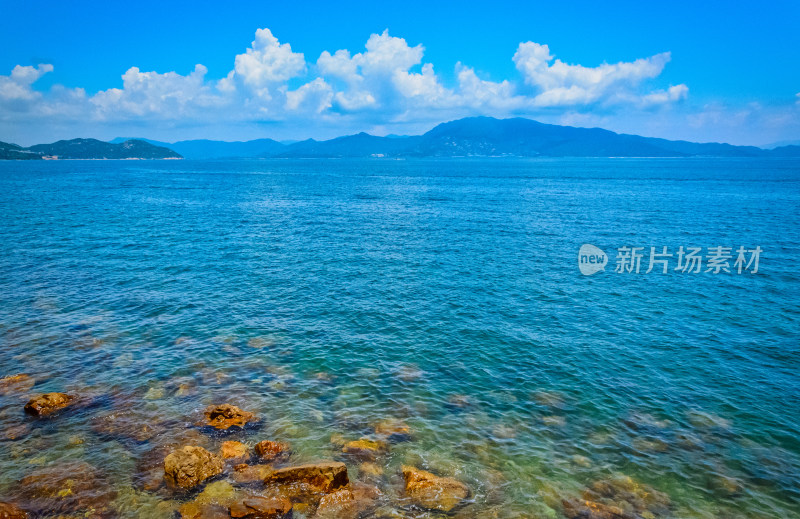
(446, 295)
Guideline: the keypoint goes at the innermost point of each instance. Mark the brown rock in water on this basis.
(9, 511)
(367, 496)
(226, 416)
(48, 404)
(630, 494)
(233, 450)
(257, 507)
(67, 488)
(370, 469)
(244, 474)
(365, 448)
(430, 491)
(18, 383)
(192, 510)
(190, 466)
(584, 509)
(128, 425)
(393, 430)
(211, 503)
(16, 432)
(268, 450)
(338, 505)
(321, 477)
(460, 401)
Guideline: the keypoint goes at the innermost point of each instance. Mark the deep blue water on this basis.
(330, 294)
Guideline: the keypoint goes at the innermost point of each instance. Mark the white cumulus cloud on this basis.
(268, 61)
(560, 84)
(169, 95)
(386, 83)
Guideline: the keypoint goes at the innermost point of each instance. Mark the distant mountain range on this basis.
(206, 149)
(470, 137)
(88, 149)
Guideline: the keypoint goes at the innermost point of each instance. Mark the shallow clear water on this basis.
(329, 295)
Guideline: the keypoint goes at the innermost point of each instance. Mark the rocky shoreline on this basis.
(217, 464)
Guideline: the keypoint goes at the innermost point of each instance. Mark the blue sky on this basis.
(713, 72)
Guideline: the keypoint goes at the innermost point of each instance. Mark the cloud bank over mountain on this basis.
(386, 87)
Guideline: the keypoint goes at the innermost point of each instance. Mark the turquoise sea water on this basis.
(328, 295)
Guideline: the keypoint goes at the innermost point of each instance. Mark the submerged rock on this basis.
(47, 404)
(270, 451)
(233, 450)
(338, 505)
(584, 509)
(433, 492)
(366, 449)
(635, 498)
(211, 503)
(67, 488)
(15, 432)
(370, 469)
(393, 430)
(725, 485)
(192, 510)
(128, 425)
(459, 401)
(18, 383)
(257, 507)
(10, 511)
(551, 399)
(245, 474)
(225, 416)
(190, 466)
(323, 477)
(704, 420)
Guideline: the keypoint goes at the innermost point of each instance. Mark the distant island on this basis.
(87, 149)
(469, 137)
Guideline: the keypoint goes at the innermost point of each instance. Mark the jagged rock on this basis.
(433, 492)
(18, 383)
(47, 404)
(225, 416)
(233, 450)
(10, 511)
(190, 466)
(269, 451)
(257, 507)
(67, 488)
(365, 449)
(321, 477)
